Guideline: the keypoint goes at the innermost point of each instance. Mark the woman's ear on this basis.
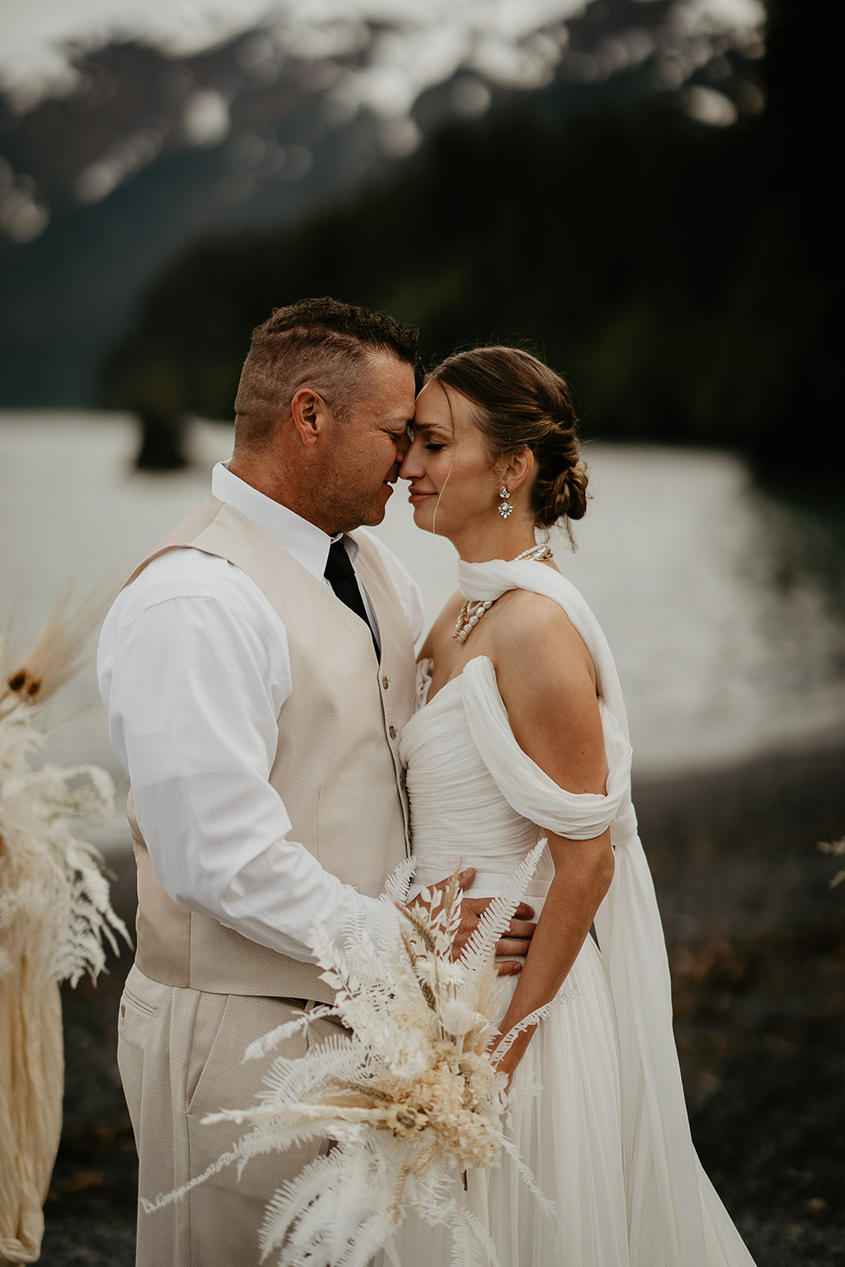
(517, 467)
(310, 415)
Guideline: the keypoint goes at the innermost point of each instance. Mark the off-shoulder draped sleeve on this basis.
(579, 816)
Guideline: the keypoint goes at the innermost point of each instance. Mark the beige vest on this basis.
(337, 765)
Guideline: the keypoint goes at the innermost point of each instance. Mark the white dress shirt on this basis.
(193, 667)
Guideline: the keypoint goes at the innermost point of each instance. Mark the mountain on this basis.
(686, 278)
(101, 186)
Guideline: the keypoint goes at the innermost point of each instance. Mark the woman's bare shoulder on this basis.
(536, 643)
(533, 620)
(547, 680)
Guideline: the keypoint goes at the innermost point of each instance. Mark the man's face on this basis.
(363, 451)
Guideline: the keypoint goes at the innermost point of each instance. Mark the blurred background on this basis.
(642, 192)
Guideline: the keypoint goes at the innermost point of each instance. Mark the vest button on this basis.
(393, 732)
(385, 681)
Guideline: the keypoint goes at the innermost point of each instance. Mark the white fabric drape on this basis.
(31, 1085)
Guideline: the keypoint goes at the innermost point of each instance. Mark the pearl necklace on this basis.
(474, 609)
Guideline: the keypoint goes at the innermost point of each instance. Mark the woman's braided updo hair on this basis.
(519, 402)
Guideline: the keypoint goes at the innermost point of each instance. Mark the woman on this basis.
(522, 733)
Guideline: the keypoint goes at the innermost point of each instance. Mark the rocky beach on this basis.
(756, 939)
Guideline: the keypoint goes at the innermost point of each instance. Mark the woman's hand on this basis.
(508, 1063)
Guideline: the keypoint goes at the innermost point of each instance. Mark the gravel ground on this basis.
(758, 956)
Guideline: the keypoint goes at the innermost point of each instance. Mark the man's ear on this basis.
(310, 415)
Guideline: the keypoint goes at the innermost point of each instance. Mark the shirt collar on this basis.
(308, 544)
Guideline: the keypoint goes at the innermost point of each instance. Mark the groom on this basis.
(257, 669)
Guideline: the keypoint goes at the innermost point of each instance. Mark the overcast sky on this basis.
(33, 32)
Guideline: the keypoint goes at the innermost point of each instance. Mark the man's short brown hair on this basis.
(320, 343)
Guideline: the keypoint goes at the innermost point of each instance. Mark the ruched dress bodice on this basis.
(477, 799)
(449, 786)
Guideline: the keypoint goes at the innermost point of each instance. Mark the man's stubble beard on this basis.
(347, 514)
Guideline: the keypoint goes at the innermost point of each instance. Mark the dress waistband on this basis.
(485, 884)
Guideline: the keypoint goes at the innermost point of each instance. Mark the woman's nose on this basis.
(410, 467)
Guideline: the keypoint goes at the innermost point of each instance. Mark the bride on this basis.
(521, 732)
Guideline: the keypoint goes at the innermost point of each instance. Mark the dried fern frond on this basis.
(481, 946)
(421, 925)
(399, 881)
(529, 1021)
(266, 1044)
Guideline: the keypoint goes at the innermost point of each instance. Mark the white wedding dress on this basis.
(606, 1136)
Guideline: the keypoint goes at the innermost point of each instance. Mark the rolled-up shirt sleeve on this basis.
(194, 670)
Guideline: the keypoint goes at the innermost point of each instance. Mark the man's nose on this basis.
(402, 447)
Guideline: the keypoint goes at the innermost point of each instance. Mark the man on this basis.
(257, 670)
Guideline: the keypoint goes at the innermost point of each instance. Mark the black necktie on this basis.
(340, 574)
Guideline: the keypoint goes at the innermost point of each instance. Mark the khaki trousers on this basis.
(179, 1053)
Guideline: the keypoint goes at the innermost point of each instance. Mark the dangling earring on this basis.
(505, 508)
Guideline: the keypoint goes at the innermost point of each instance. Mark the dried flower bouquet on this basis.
(409, 1094)
(54, 897)
(54, 913)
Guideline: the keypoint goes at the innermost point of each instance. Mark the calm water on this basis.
(725, 610)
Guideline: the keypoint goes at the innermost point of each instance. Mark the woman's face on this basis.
(453, 483)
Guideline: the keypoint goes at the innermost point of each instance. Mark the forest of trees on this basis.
(685, 278)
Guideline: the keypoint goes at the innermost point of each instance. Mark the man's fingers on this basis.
(517, 938)
(521, 928)
(473, 908)
(506, 948)
(478, 905)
